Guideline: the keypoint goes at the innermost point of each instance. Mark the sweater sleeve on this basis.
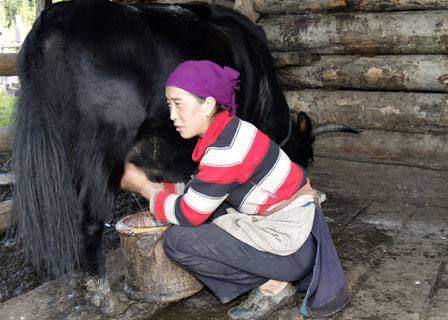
(176, 188)
(199, 201)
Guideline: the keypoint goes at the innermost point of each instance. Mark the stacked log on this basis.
(360, 33)
(307, 6)
(378, 66)
(8, 64)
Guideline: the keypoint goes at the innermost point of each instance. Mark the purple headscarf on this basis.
(207, 79)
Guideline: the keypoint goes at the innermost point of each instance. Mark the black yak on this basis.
(92, 97)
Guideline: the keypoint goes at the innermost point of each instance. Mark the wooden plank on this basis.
(422, 32)
(5, 209)
(8, 64)
(388, 72)
(7, 179)
(5, 139)
(265, 7)
(392, 111)
(377, 146)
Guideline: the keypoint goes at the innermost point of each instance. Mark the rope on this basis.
(285, 141)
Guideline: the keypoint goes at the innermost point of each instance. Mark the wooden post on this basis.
(5, 139)
(41, 5)
(388, 72)
(422, 32)
(5, 209)
(20, 29)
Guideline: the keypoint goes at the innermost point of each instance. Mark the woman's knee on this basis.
(170, 241)
(177, 242)
(306, 256)
(185, 243)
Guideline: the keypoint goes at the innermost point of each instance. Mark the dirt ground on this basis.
(389, 224)
(17, 276)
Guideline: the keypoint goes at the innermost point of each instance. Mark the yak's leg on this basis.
(98, 288)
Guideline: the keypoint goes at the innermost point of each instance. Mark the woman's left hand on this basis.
(308, 190)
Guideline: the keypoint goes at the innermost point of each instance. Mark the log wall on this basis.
(378, 66)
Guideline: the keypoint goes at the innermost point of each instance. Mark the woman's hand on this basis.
(308, 190)
(135, 180)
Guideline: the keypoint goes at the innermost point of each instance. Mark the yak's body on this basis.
(92, 76)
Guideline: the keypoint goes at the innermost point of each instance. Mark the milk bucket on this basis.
(149, 274)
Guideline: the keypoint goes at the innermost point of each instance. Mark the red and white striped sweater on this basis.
(239, 166)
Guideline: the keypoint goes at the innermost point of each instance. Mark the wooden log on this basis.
(246, 7)
(392, 111)
(265, 7)
(149, 274)
(389, 72)
(360, 180)
(5, 209)
(422, 32)
(5, 139)
(8, 64)
(227, 3)
(7, 179)
(418, 150)
(292, 59)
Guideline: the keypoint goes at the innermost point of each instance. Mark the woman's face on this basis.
(190, 117)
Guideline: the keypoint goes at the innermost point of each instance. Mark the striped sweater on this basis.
(239, 166)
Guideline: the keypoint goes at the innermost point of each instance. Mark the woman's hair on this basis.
(201, 100)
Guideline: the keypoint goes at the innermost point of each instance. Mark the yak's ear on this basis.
(304, 123)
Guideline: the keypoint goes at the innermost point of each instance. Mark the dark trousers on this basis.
(229, 267)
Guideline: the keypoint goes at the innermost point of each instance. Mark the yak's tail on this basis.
(45, 199)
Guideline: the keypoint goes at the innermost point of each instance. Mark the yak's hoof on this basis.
(112, 306)
(100, 295)
(108, 303)
(95, 298)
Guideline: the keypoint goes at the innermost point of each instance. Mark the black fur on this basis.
(92, 76)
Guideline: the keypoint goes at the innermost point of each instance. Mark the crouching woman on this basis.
(248, 219)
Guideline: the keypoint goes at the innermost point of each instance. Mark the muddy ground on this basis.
(390, 227)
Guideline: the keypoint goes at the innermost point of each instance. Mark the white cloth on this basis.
(281, 233)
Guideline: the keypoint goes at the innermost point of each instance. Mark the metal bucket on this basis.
(149, 274)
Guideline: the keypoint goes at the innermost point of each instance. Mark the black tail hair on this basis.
(45, 205)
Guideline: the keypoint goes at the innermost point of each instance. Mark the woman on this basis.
(248, 218)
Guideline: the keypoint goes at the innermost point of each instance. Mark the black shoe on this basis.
(258, 305)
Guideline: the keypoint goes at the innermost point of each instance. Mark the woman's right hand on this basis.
(135, 180)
